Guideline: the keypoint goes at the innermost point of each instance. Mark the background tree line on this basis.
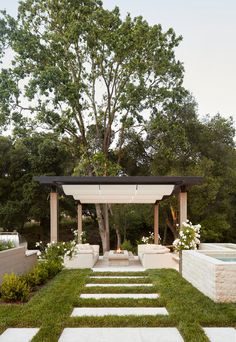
(90, 93)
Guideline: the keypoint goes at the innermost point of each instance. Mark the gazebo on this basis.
(124, 189)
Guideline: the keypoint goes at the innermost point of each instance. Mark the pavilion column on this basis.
(79, 222)
(182, 206)
(156, 223)
(106, 221)
(54, 216)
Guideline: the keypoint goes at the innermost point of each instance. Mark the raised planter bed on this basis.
(16, 260)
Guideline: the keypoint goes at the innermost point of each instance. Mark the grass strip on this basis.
(120, 302)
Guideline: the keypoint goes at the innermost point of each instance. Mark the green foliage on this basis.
(52, 267)
(14, 288)
(38, 275)
(126, 245)
(6, 245)
(189, 235)
(109, 90)
(56, 251)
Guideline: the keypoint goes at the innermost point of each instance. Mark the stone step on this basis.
(18, 334)
(221, 334)
(120, 295)
(120, 334)
(142, 311)
(118, 285)
(118, 277)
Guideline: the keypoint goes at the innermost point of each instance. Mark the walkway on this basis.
(116, 295)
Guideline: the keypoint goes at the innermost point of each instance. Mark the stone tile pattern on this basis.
(120, 295)
(120, 334)
(18, 334)
(119, 285)
(91, 311)
(221, 334)
(215, 281)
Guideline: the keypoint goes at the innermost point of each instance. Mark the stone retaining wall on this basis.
(215, 278)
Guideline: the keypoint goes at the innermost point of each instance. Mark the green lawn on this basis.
(51, 307)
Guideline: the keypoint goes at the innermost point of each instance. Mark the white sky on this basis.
(208, 49)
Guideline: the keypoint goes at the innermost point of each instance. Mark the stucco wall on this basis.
(16, 261)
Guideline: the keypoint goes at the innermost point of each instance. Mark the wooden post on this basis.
(79, 222)
(156, 223)
(106, 221)
(54, 216)
(182, 206)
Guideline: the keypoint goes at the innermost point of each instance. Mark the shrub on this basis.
(53, 267)
(56, 251)
(128, 246)
(189, 235)
(39, 274)
(6, 244)
(14, 288)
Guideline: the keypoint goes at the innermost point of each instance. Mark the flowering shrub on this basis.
(83, 238)
(189, 235)
(149, 238)
(56, 250)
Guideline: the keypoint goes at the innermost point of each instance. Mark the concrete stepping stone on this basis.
(91, 311)
(118, 285)
(118, 277)
(120, 334)
(118, 269)
(120, 295)
(221, 334)
(18, 334)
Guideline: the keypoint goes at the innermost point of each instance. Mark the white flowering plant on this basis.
(83, 237)
(189, 236)
(56, 250)
(150, 238)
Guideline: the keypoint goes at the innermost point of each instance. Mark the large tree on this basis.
(80, 70)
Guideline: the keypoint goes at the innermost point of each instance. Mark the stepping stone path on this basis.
(18, 334)
(121, 334)
(119, 285)
(120, 295)
(221, 334)
(118, 334)
(160, 334)
(80, 312)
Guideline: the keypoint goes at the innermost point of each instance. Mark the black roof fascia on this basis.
(176, 180)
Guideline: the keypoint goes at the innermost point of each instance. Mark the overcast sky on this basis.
(208, 49)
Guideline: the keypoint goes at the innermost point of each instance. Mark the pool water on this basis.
(227, 259)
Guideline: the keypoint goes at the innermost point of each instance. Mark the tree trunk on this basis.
(103, 225)
(118, 237)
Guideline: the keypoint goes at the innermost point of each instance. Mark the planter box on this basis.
(16, 260)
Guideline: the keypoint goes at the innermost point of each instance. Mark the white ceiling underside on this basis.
(95, 193)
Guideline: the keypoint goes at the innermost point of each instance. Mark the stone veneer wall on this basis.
(16, 261)
(215, 278)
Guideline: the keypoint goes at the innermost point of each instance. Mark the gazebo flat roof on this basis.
(124, 189)
(176, 180)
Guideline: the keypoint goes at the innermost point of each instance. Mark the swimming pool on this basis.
(226, 259)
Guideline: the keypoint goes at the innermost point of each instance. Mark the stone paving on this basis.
(135, 311)
(120, 334)
(18, 334)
